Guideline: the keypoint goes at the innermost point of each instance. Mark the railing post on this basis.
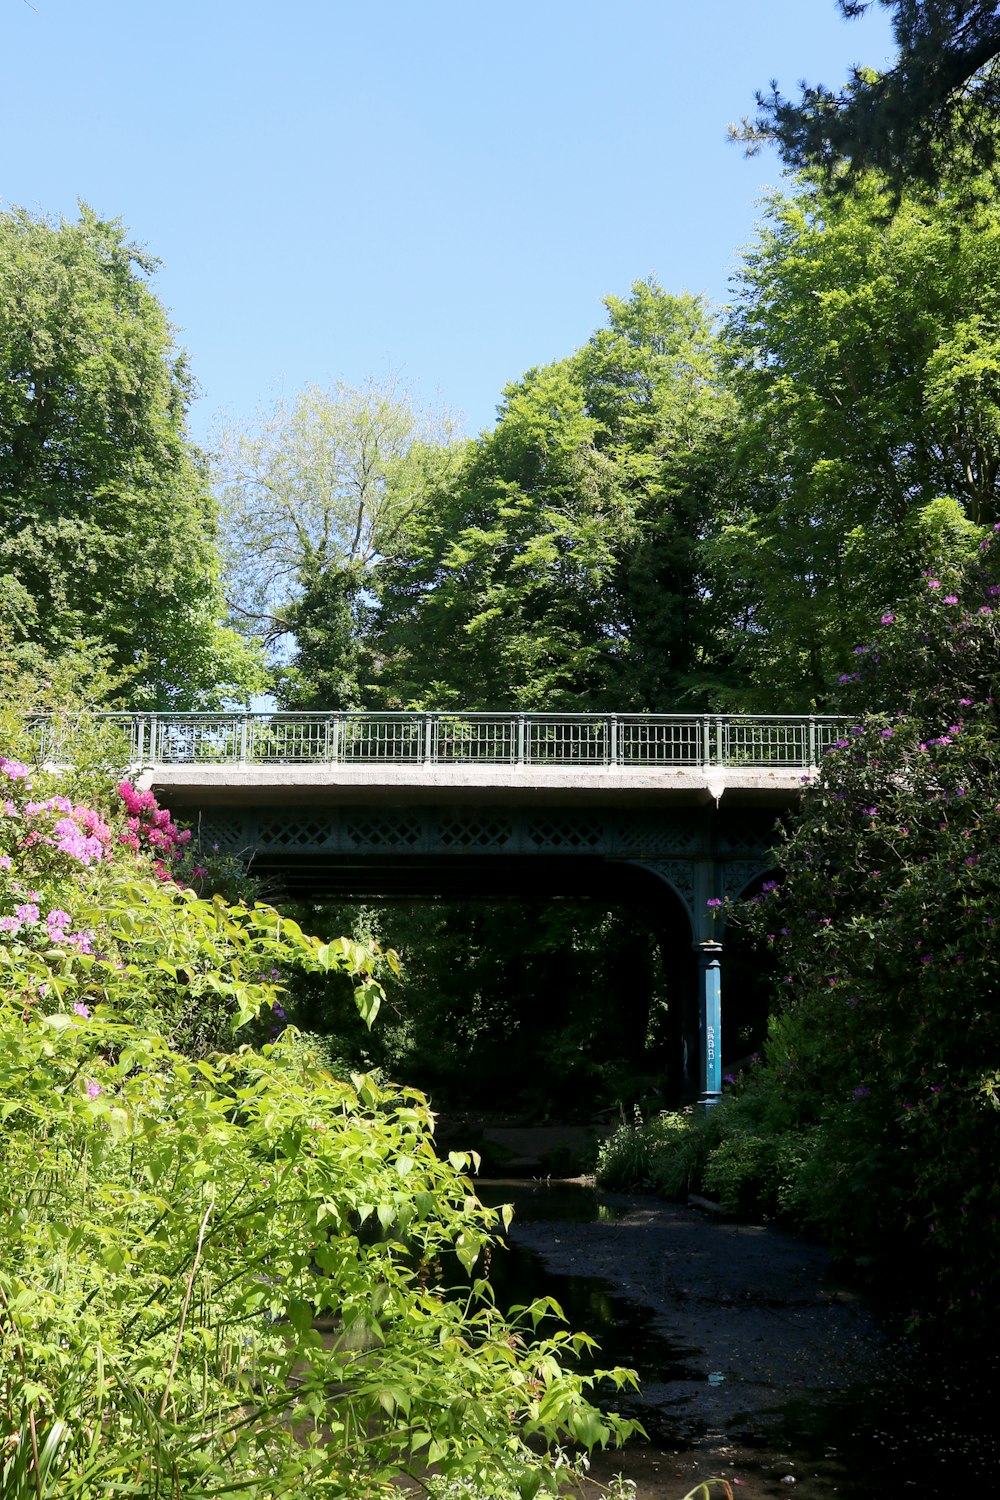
(139, 738)
(613, 740)
(428, 748)
(522, 745)
(244, 738)
(154, 738)
(706, 741)
(812, 742)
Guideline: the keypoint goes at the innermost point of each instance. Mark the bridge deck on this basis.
(317, 785)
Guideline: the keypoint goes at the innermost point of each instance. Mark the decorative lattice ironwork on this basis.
(295, 833)
(737, 874)
(680, 873)
(654, 833)
(745, 835)
(565, 834)
(382, 832)
(482, 832)
(216, 831)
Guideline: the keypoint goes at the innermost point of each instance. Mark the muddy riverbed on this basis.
(758, 1364)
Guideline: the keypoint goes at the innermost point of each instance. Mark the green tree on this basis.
(557, 567)
(863, 355)
(312, 495)
(652, 381)
(107, 526)
(933, 111)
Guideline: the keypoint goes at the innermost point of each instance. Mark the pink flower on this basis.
(951, 598)
(888, 619)
(932, 583)
(79, 1009)
(93, 1089)
(28, 913)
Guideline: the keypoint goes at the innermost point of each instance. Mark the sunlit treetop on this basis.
(937, 107)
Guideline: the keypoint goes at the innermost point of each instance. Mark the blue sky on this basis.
(441, 188)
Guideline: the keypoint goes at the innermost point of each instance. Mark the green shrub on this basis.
(176, 1221)
(666, 1154)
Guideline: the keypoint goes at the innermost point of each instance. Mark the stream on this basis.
(755, 1363)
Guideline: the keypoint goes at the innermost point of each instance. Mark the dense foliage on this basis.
(863, 358)
(935, 108)
(463, 1022)
(874, 1118)
(313, 495)
(107, 524)
(222, 1269)
(557, 566)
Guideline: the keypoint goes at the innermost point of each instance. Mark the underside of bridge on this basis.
(671, 859)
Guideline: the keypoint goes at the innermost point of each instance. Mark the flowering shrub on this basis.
(886, 923)
(875, 1116)
(201, 1208)
(150, 827)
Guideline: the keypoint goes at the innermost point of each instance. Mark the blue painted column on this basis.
(710, 1022)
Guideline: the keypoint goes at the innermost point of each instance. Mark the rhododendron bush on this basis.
(181, 1206)
(884, 1052)
(873, 1117)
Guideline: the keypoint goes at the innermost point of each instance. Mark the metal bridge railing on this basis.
(535, 739)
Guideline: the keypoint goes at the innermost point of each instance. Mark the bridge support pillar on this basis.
(709, 1022)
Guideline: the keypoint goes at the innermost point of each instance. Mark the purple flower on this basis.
(28, 913)
(951, 598)
(860, 650)
(888, 619)
(870, 812)
(79, 1009)
(861, 1092)
(887, 734)
(932, 583)
(9, 924)
(93, 1089)
(713, 901)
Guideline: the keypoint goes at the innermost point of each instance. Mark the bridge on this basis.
(673, 812)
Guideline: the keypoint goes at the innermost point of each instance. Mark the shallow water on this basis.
(883, 1438)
